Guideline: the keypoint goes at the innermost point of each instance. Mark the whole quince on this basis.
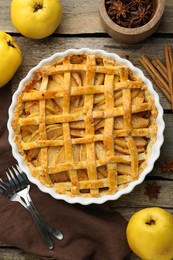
(150, 234)
(10, 58)
(36, 19)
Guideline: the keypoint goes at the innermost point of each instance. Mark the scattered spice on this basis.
(167, 166)
(130, 13)
(152, 190)
(161, 72)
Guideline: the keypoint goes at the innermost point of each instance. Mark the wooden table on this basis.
(81, 27)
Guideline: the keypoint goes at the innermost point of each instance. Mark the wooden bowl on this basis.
(132, 35)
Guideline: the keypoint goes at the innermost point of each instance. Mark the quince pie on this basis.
(85, 125)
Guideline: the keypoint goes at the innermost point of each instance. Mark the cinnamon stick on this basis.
(160, 67)
(156, 76)
(169, 63)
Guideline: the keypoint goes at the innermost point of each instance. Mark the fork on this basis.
(17, 189)
(24, 182)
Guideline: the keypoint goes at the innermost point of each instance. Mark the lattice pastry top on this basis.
(85, 125)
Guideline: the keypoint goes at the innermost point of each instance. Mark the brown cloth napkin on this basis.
(90, 232)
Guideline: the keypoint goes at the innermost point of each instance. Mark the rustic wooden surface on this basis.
(81, 27)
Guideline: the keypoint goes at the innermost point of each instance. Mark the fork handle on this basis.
(42, 230)
(54, 231)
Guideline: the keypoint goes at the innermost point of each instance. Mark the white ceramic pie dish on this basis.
(150, 161)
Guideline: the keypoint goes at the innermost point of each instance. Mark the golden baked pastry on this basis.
(85, 125)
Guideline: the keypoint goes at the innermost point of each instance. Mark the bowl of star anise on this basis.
(131, 21)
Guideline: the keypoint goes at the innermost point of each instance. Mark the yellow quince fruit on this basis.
(10, 58)
(150, 234)
(36, 19)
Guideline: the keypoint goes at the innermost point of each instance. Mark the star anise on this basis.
(167, 166)
(130, 13)
(139, 2)
(117, 9)
(141, 16)
(152, 190)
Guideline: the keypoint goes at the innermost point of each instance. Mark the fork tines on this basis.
(5, 189)
(16, 178)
